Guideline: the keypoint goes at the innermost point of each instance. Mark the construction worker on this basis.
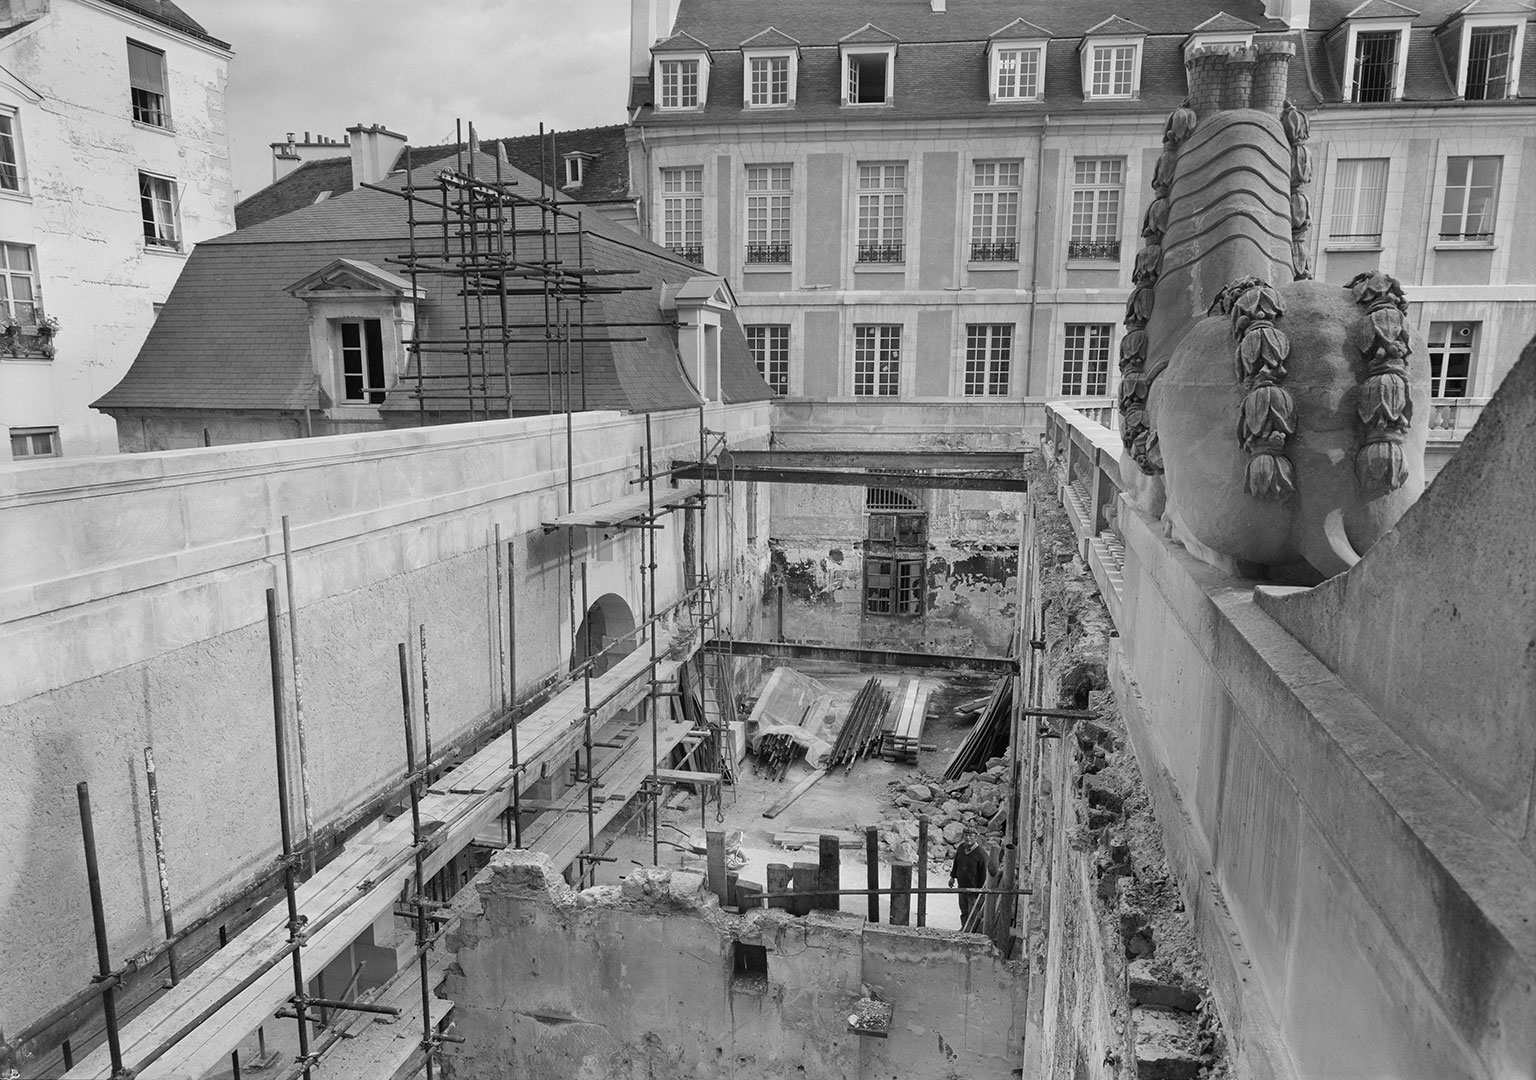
(969, 872)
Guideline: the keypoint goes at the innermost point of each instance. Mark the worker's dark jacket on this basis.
(970, 868)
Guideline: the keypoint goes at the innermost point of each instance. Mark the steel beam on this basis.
(905, 460)
(970, 481)
(872, 657)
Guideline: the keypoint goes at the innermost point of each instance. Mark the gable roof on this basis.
(1382, 9)
(768, 39)
(868, 34)
(680, 42)
(231, 335)
(342, 271)
(1222, 23)
(1115, 24)
(1020, 28)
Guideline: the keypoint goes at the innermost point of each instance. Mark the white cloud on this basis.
(415, 67)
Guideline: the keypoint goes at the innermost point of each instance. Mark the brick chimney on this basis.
(937, 6)
(374, 151)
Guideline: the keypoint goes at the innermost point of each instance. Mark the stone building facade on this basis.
(114, 161)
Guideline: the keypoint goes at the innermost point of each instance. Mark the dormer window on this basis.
(681, 73)
(1482, 52)
(361, 318)
(575, 169)
(1111, 60)
(1372, 44)
(770, 68)
(1220, 31)
(869, 66)
(679, 84)
(1016, 62)
(769, 81)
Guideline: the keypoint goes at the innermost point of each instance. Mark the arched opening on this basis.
(608, 621)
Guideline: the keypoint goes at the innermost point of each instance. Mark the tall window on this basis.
(1096, 187)
(768, 192)
(1112, 71)
(682, 211)
(1359, 198)
(1488, 60)
(18, 283)
(868, 77)
(10, 157)
(35, 442)
(146, 81)
(882, 212)
(1471, 198)
(769, 346)
(895, 555)
(770, 80)
(1018, 75)
(362, 362)
(679, 84)
(1375, 65)
(1452, 347)
(1085, 362)
(157, 204)
(877, 361)
(995, 212)
(988, 358)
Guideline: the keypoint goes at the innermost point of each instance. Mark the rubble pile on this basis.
(976, 799)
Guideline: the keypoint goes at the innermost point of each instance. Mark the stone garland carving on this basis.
(1297, 131)
(1137, 435)
(1385, 408)
(1268, 414)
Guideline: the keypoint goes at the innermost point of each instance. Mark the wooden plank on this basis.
(799, 789)
(686, 776)
(616, 513)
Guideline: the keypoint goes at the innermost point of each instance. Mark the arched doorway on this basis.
(609, 621)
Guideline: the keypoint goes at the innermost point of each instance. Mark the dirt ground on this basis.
(843, 801)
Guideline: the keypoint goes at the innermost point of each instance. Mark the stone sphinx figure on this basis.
(1276, 424)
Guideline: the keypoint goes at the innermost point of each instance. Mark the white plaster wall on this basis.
(133, 607)
(68, 81)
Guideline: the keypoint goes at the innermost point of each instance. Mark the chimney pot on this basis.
(937, 5)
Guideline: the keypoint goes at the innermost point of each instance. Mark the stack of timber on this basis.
(902, 741)
(988, 737)
(862, 729)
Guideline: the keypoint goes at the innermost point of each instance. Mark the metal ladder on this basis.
(716, 697)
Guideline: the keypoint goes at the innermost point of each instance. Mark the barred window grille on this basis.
(1488, 62)
(1375, 65)
(888, 499)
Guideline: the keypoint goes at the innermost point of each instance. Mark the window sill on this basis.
(786, 107)
(1093, 264)
(1352, 247)
(767, 268)
(869, 104)
(993, 264)
(165, 249)
(879, 268)
(7, 358)
(1112, 97)
(161, 129)
(19, 195)
(1466, 245)
(1017, 101)
(680, 108)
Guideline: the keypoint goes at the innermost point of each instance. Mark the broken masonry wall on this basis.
(1105, 917)
(137, 617)
(640, 979)
(821, 538)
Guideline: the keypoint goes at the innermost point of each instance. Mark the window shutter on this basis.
(146, 68)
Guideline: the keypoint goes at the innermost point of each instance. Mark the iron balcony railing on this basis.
(882, 253)
(1482, 237)
(694, 253)
(1093, 249)
(994, 250)
(768, 252)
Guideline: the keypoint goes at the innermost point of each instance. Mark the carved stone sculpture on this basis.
(1270, 420)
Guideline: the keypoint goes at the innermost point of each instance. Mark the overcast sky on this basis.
(414, 66)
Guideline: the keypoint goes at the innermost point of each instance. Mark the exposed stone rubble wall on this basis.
(643, 979)
(1117, 985)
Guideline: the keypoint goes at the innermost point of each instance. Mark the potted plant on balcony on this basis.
(47, 330)
(10, 335)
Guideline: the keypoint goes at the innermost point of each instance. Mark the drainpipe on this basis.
(644, 201)
(1034, 259)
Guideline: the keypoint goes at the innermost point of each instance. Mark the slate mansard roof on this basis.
(941, 60)
(231, 336)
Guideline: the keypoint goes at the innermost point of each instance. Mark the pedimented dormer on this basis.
(1016, 62)
(1368, 51)
(360, 318)
(700, 304)
(680, 73)
(868, 58)
(1481, 45)
(1220, 30)
(1110, 56)
(770, 68)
